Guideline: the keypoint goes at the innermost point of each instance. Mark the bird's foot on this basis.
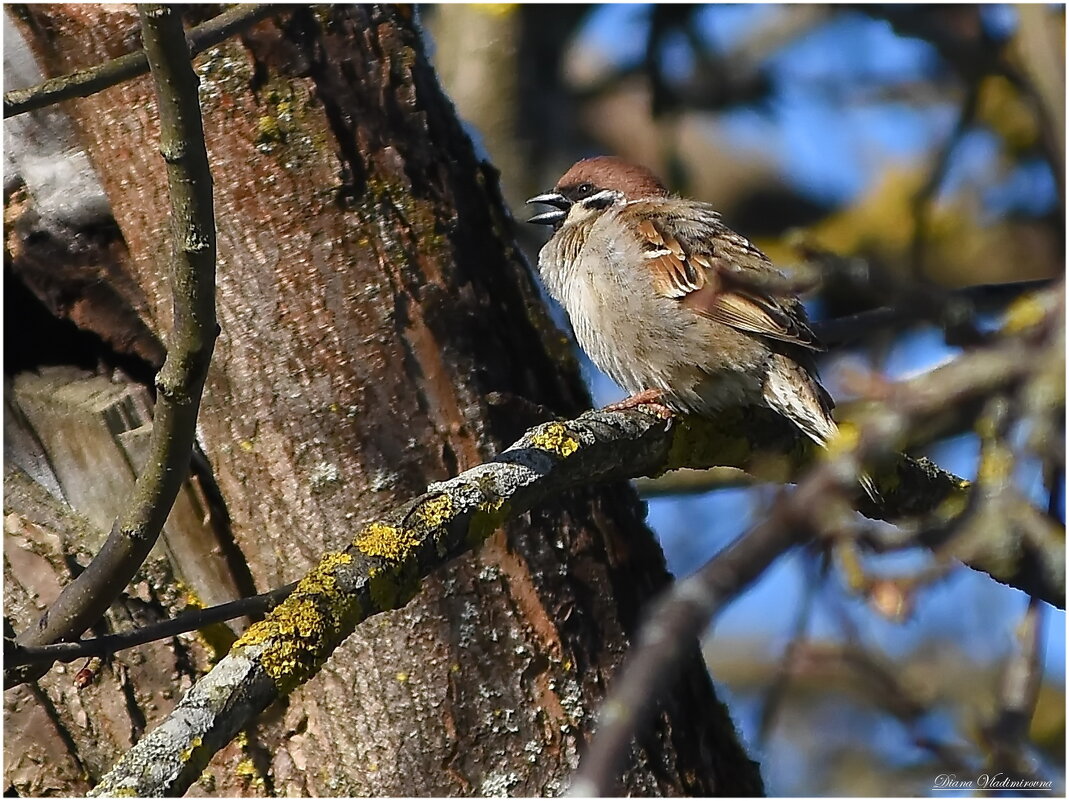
(652, 399)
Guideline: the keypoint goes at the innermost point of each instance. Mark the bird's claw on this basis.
(650, 399)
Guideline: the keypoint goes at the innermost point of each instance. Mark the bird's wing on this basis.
(717, 273)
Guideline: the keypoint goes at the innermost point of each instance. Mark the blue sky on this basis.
(834, 150)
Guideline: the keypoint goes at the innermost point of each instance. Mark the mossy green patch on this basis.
(698, 442)
(488, 518)
(390, 589)
(951, 507)
(287, 128)
(555, 438)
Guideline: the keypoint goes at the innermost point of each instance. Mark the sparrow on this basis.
(682, 312)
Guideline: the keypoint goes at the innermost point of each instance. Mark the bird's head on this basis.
(592, 185)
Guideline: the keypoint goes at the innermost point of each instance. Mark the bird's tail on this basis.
(794, 392)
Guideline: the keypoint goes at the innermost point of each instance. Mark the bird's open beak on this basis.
(561, 203)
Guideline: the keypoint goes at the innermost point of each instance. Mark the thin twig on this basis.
(180, 382)
(113, 643)
(1042, 54)
(777, 691)
(885, 687)
(91, 80)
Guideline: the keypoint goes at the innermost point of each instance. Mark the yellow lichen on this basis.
(321, 578)
(386, 542)
(189, 595)
(194, 744)
(434, 512)
(216, 637)
(269, 132)
(246, 769)
(305, 628)
(555, 438)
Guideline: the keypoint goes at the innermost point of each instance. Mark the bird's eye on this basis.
(584, 189)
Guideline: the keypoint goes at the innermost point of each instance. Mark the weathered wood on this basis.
(94, 434)
(60, 737)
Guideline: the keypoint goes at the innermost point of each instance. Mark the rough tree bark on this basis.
(371, 302)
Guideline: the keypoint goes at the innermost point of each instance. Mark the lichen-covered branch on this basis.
(384, 565)
(189, 346)
(102, 76)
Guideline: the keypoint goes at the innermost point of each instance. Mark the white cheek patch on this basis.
(602, 200)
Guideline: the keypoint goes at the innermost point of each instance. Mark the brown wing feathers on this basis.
(675, 274)
(703, 282)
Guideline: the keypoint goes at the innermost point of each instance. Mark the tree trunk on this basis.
(379, 331)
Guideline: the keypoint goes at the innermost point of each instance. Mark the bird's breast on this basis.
(628, 331)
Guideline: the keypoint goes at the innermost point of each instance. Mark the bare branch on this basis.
(946, 308)
(180, 382)
(922, 202)
(91, 80)
(1007, 735)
